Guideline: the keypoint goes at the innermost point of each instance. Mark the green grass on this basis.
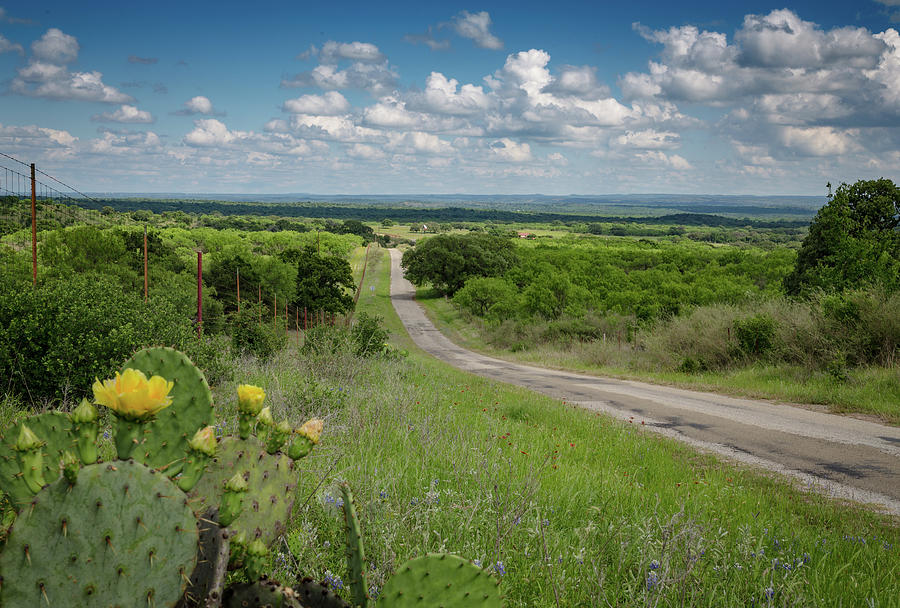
(873, 391)
(577, 507)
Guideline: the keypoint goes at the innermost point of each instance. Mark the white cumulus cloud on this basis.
(125, 113)
(477, 26)
(329, 104)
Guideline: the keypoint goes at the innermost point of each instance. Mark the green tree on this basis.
(854, 240)
(489, 297)
(447, 261)
(324, 282)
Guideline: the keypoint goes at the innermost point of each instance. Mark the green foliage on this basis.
(853, 241)
(489, 297)
(324, 282)
(250, 336)
(447, 261)
(55, 339)
(755, 335)
(567, 278)
(368, 335)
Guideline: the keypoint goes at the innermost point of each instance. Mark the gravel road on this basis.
(836, 455)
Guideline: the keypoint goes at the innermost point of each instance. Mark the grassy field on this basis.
(870, 391)
(567, 507)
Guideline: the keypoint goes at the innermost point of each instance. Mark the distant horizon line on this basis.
(454, 195)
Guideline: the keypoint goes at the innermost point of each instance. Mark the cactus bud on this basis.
(70, 467)
(203, 446)
(204, 441)
(232, 500)
(277, 436)
(31, 459)
(27, 440)
(237, 483)
(250, 400)
(87, 427)
(264, 424)
(255, 560)
(265, 416)
(85, 412)
(299, 447)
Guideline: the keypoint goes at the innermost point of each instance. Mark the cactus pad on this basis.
(440, 579)
(54, 429)
(272, 478)
(356, 555)
(261, 594)
(313, 594)
(165, 441)
(122, 535)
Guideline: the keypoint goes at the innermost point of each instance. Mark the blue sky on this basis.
(553, 98)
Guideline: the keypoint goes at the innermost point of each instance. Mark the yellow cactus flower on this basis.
(250, 398)
(312, 429)
(132, 396)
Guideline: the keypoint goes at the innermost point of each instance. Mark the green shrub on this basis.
(755, 335)
(56, 338)
(368, 336)
(250, 336)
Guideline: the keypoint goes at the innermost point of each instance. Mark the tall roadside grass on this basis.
(839, 351)
(566, 507)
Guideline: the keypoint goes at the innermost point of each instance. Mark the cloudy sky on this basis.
(525, 97)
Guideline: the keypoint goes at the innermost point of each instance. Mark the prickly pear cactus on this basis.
(272, 479)
(440, 579)
(122, 535)
(165, 441)
(54, 429)
(313, 594)
(261, 594)
(356, 556)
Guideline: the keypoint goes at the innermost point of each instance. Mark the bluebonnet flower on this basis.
(499, 569)
(382, 494)
(654, 565)
(106, 434)
(334, 581)
(477, 562)
(770, 593)
(652, 581)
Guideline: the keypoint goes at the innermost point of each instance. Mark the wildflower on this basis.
(652, 581)
(654, 565)
(770, 593)
(499, 569)
(477, 562)
(250, 399)
(132, 396)
(333, 580)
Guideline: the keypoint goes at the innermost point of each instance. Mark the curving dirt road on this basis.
(836, 455)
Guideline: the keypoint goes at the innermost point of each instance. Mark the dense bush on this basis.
(254, 333)
(368, 336)
(56, 338)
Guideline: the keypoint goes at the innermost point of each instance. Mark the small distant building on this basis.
(525, 235)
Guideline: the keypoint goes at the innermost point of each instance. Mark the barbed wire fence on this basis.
(32, 201)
